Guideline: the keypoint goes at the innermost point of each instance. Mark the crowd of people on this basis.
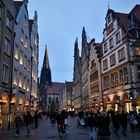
(103, 122)
(27, 120)
(100, 124)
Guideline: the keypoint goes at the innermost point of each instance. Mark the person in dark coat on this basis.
(103, 126)
(36, 119)
(18, 122)
(92, 123)
(28, 119)
(115, 121)
(123, 122)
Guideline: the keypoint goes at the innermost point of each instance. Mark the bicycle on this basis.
(62, 130)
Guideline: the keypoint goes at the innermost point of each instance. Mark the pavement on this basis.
(47, 132)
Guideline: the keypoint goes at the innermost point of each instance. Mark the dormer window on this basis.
(108, 18)
(111, 43)
(105, 47)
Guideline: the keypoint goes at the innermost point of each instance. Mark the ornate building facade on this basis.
(120, 62)
(7, 18)
(77, 85)
(85, 70)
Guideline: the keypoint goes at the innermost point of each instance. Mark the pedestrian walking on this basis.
(92, 123)
(28, 120)
(103, 126)
(123, 122)
(36, 119)
(18, 122)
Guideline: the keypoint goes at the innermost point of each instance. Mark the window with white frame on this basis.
(112, 60)
(9, 22)
(111, 44)
(7, 46)
(121, 54)
(112, 80)
(105, 64)
(105, 47)
(118, 37)
(5, 74)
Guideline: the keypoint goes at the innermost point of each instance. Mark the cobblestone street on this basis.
(48, 132)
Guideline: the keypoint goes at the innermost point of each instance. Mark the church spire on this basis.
(46, 59)
(45, 77)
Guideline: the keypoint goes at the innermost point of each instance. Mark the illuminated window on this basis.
(28, 85)
(16, 52)
(21, 58)
(137, 51)
(26, 42)
(24, 83)
(15, 77)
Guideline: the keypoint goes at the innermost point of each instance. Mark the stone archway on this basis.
(126, 103)
(138, 103)
(21, 105)
(4, 108)
(116, 102)
(107, 103)
(13, 110)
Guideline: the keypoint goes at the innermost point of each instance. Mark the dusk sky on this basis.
(61, 21)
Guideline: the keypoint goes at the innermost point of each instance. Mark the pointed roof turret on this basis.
(76, 50)
(45, 77)
(46, 59)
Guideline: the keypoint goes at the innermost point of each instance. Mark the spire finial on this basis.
(108, 5)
